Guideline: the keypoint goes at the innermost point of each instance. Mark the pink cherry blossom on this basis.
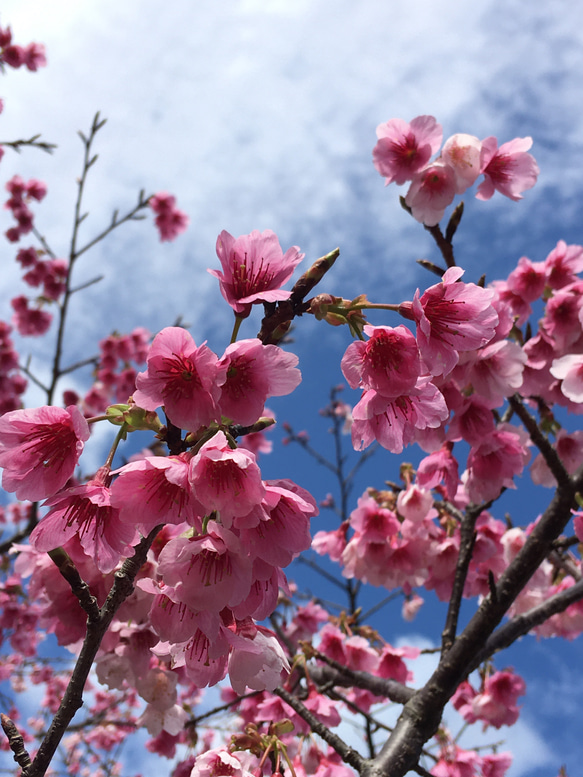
(156, 490)
(497, 373)
(389, 362)
(508, 169)
(254, 269)
(569, 370)
(30, 322)
(85, 511)
(170, 220)
(216, 763)
(254, 372)
(451, 317)
(181, 376)
(440, 466)
(226, 481)
(432, 190)
(257, 661)
(528, 280)
(493, 463)
(403, 149)
(496, 703)
(40, 448)
(207, 572)
(462, 152)
(562, 265)
(393, 422)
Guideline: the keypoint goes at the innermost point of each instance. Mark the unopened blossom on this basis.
(253, 372)
(452, 317)
(182, 377)
(39, 449)
(431, 191)
(403, 149)
(254, 268)
(388, 362)
(462, 152)
(508, 169)
(569, 370)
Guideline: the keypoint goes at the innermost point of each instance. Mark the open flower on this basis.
(508, 169)
(181, 376)
(40, 448)
(254, 269)
(403, 149)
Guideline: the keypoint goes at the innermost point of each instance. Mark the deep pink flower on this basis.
(431, 191)
(403, 149)
(440, 466)
(182, 377)
(562, 265)
(496, 764)
(207, 572)
(508, 169)
(29, 321)
(451, 317)
(170, 220)
(40, 448)
(462, 152)
(253, 372)
(493, 463)
(393, 422)
(226, 481)
(496, 703)
(34, 56)
(85, 511)
(254, 269)
(156, 490)
(528, 280)
(389, 362)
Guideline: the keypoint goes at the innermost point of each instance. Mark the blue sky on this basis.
(261, 114)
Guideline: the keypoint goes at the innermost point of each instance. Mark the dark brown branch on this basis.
(467, 542)
(122, 587)
(549, 454)
(347, 753)
(15, 742)
(337, 674)
(79, 587)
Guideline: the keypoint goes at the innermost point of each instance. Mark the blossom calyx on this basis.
(135, 418)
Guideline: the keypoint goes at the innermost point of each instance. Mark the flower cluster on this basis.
(31, 56)
(170, 220)
(21, 194)
(404, 150)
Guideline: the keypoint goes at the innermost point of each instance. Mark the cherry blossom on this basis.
(432, 190)
(508, 169)
(569, 370)
(403, 149)
(254, 268)
(40, 448)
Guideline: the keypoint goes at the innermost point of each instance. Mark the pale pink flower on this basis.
(411, 607)
(393, 422)
(182, 377)
(462, 152)
(497, 372)
(496, 764)
(451, 317)
(493, 464)
(569, 370)
(403, 149)
(388, 362)
(257, 661)
(373, 522)
(569, 447)
(85, 511)
(254, 269)
(216, 763)
(508, 169)
(226, 481)
(431, 191)
(40, 448)
(253, 372)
